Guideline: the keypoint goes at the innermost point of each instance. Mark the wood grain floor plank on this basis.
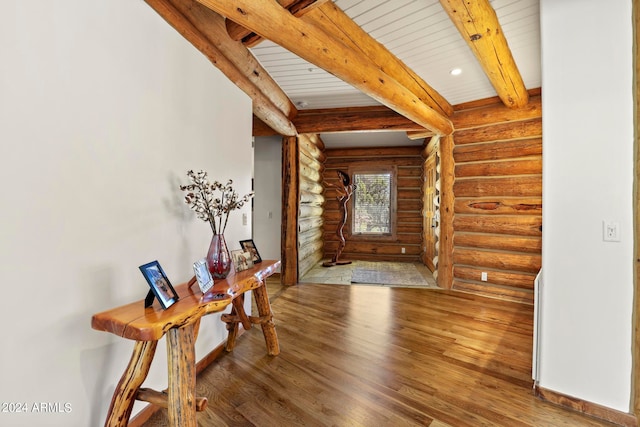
(377, 356)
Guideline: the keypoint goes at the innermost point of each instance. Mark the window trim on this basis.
(375, 169)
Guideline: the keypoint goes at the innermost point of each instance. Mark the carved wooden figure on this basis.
(345, 190)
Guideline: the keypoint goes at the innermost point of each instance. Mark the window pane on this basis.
(372, 203)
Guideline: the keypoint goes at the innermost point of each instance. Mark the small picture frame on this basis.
(160, 286)
(203, 275)
(249, 246)
(242, 260)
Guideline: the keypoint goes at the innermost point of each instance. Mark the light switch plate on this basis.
(610, 231)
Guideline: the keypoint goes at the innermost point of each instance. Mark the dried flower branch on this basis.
(202, 201)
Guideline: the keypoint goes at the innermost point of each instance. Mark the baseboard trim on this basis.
(588, 408)
(143, 416)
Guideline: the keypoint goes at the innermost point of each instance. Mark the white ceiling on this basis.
(420, 33)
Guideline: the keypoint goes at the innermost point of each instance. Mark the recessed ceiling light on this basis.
(455, 72)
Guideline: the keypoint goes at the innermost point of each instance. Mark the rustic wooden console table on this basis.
(180, 323)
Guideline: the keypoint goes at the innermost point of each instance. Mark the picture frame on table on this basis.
(249, 246)
(203, 275)
(160, 285)
(241, 259)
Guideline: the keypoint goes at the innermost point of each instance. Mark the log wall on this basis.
(498, 207)
(310, 220)
(408, 161)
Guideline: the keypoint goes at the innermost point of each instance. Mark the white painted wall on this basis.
(103, 108)
(588, 175)
(268, 185)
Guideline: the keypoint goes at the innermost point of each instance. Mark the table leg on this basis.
(124, 395)
(238, 305)
(268, 327)
(237, 315)
(232, 328)
(182, 376)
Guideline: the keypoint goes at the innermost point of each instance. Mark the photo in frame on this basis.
(250, 247)
(161, 288)
(242, 260)
(203, 275)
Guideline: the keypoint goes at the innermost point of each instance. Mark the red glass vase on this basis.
(218, 258)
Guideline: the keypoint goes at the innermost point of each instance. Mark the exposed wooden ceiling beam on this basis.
(271, 21)
(237, 32)
(468, 115)
(419, 134)
(198, 30)
(352, 119)
(338, 24)
(478, 24)
(295, 7)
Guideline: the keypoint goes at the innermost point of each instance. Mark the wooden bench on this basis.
(180, 323)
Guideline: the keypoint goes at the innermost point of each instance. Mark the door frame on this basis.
(431, 151)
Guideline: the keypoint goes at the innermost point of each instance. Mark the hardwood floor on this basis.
(376, 356)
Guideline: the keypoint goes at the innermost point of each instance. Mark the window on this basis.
(373, 208)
